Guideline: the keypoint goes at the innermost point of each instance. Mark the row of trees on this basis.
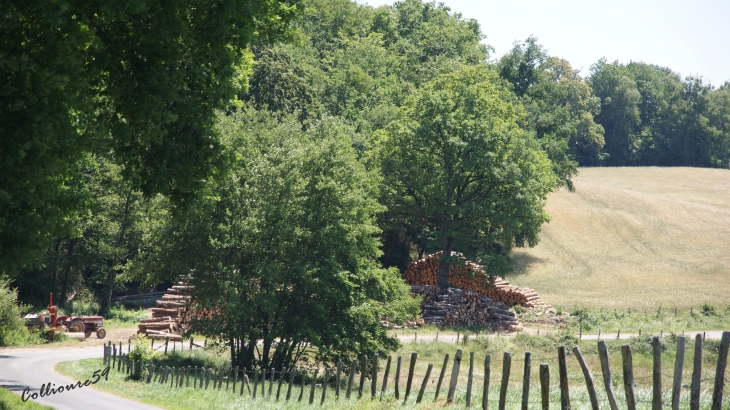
(292, 180)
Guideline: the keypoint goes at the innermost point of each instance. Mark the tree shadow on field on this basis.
(521, 264)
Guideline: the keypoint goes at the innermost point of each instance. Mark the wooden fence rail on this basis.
(204, 378)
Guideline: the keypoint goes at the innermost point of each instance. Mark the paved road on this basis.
(21, 368)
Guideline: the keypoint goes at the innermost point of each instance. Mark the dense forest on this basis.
(312, 158)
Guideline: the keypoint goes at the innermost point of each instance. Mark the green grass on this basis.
(119, 317)
(12, 401)
(633, 237)
(543, 350)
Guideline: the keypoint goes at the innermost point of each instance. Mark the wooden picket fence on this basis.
(203, 378)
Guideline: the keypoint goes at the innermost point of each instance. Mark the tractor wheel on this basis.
(101, 333)
(76, 326)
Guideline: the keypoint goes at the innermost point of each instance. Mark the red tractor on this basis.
(64, 323)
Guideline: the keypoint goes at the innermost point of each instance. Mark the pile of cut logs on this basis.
(473, 277)
(455, 306)
(168, 320)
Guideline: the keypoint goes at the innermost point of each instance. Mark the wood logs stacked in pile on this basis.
(167, 315)
(462, 307)
(473, 277)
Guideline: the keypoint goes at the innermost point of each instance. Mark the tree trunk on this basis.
(64, 285)
(444, 263)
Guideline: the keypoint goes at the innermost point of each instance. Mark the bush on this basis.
(708, 309)
(12, 328)
(83, 304)
(141, 353)
(120, 314)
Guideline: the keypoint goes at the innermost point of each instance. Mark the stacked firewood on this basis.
(455, 306)
(473, 277)
(167, 320)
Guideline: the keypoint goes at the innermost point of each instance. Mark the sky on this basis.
(690, 37)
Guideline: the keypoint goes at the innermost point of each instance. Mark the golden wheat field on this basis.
(634, 237)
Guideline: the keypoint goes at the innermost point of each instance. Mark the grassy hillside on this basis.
(636, 237)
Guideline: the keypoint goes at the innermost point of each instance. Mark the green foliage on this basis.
(122, 315)
(708, 309)
(285, 246)
(141, 352)
(12, 401)
(652, 117)
(458, 163)
(139, 82)
(560, 106)
(12, 328)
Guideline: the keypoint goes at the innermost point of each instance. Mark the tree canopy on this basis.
(458, 164)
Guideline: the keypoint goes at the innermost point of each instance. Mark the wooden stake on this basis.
(351, 381)
(526, 380)
(628, 368)
(607, 382)
(469, 379)
(314, 382)
(694, 402)
(506, 365)
(301, 390)
(374, 385)
(563, 370)
(385, 376)
(454, 376)
(656, 350)
(324, 384)
(588, 376)
(720, 373)
(678, 364)
(409, 381)
(441, 376)
(485, 388)
(338, 380)
(363, 373)
(397, 378)
(424, 384)
(545, 386)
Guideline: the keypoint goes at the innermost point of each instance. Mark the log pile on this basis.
(168, 316)
(455, 306)
(471, 276)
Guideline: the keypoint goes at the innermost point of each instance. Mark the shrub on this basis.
(708, 309)
(142, 353)
(12, 328)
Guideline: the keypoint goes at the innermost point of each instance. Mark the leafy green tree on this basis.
(286, 246)
(560, 107)
(458, 161)
(139, 80)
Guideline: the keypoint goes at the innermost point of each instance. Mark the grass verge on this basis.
(12, 401)
(543, 349)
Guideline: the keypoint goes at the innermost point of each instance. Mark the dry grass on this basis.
(634, 237)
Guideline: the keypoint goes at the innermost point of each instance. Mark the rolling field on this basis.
(634, 237)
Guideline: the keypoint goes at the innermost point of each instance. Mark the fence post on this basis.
(374, 386)
(694, 402)
(506, 365)
(678, 364)
(424, 384)
(485, 388)
(563, 370)
(281, 381)
(324, 384)
(545, 386)
(628, 368)
(526, 380)
(441, 376)
(656, 351)
(588, 376)
(363, 372)
(271, 382)
(409, 381)
(235, 379)
(606, 369)
(385, 376)
(167, 340)
(454, 376)
(338, 380)
(291, 381)
(301, 390)
(314, 383)
(469, 379)
(720, 373)
(149, 375)
(351, 380)
(397, 378)
(255, 382)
